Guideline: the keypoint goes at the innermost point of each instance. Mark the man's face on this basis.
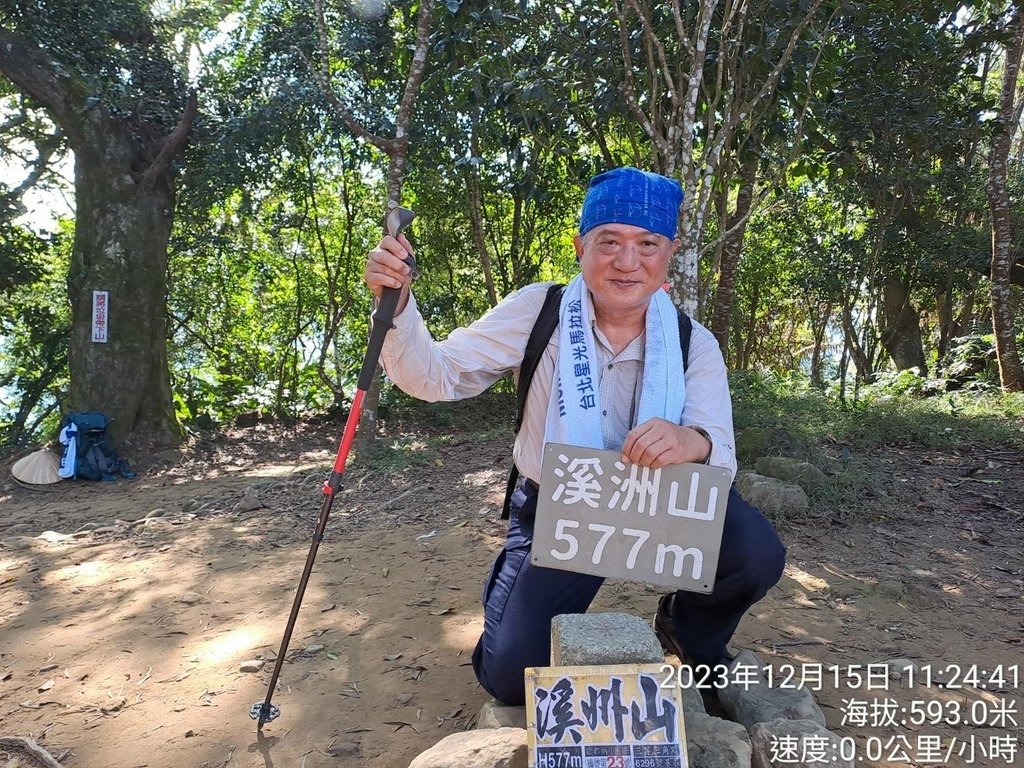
(623, 265)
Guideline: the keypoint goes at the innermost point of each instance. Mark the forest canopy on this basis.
(852, 174)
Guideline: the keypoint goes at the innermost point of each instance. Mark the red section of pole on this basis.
(350, 431)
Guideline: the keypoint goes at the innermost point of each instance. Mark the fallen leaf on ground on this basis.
(399, 725)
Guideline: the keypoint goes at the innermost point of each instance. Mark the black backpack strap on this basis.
(543, 327)
(685, 332)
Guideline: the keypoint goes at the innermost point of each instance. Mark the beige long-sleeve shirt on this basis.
(474, 357)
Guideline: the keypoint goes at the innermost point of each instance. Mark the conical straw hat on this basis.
(38, 468)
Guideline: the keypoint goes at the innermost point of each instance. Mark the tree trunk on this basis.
(861, 359)
(476, 215)
(819, 325)
(124, 201)
(1011, 374)
(901, 335)
(122, 227)
(725, 294)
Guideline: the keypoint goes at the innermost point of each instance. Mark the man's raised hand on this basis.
(386, 268)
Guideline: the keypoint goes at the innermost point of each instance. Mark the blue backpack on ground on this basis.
(86, 452)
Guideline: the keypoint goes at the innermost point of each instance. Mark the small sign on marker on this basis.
(100, 316)
(619, 716)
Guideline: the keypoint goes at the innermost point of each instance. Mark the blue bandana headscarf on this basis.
(631, 196)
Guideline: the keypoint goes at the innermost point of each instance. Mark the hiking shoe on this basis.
(665, 629)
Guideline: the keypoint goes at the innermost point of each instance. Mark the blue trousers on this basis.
(521, 599)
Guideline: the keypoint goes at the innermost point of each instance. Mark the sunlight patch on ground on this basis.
(808, 581)
(483, 478)
(461, 632)
(282, 470)
(794, 631)
(88, 574)
(235, 644)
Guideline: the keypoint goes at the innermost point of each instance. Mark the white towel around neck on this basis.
(574, 410)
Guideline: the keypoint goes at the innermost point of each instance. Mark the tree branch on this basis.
(42, 79)
(323, 79)
(416, 68)
(173, 144)
(45, 148)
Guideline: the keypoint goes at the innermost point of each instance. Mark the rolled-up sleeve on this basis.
(471, 359)
(708, 402)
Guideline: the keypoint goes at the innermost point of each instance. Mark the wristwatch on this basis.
(703, 433)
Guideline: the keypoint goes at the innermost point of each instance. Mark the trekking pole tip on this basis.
(263, 713)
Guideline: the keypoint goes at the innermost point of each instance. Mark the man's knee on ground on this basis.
(501, 674)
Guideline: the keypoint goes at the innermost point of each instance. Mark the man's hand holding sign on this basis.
(659, 443)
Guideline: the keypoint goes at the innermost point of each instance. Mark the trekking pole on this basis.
(398, 219)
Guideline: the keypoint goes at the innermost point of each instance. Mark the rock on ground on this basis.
(494, 714)
(490, 748)
(693, 701)
(715, 743)
(772, 496)
(749, 700)
(815, 746)
(249, 502)
(803, 473)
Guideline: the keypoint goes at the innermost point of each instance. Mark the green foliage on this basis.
(34, 328)
(115, 48)
(521, 104)
(883, 417)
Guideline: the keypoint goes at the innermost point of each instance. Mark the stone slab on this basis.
(489, 748)
(586, 639)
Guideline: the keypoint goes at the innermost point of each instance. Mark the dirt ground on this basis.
(123, 626)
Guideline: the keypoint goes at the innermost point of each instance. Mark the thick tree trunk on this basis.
(725, 294)
(1011, 373)
(124, 201)
(122, 225)
(901, 335)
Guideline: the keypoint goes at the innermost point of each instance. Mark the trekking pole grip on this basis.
(398, 218)
(382, 320)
